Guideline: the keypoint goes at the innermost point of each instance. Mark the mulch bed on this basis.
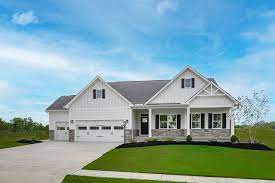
(29, 141)
(252, 146)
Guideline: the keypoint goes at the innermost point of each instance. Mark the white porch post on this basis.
(150, 122)
(232, 123)
(188, 120)
(131, 122)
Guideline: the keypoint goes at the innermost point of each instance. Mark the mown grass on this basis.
(264, 135)
(8, 138)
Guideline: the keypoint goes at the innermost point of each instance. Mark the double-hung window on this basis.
(187, 83)
(217, 121)
(168, 121)
(196, 121)
(98, 94)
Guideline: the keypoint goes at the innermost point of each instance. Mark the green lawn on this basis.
(82, 179)
(190, 160)
(264, 135)
(8, 139)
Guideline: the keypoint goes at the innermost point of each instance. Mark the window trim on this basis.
(96, 93)
(213, 121)
(196, 121)
(167, 114)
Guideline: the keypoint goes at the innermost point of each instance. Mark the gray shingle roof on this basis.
(60, 103)
(137, 92)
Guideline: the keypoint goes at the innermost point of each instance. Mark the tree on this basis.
(251, 111)
(2, 124)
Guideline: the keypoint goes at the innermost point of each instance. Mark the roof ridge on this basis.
(140, 80)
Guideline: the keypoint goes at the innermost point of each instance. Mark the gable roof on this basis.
(137, 92)
(90, 84)
(60, 103)
(174, 78)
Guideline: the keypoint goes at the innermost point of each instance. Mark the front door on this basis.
(144, 124)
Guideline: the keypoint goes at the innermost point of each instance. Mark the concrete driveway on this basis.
(49, 161)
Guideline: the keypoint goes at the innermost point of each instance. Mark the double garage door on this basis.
(99, 131)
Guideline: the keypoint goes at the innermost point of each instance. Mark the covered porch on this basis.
(178, 121)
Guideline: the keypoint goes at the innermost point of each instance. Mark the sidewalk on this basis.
(165, 177)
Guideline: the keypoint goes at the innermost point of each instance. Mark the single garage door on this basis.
(99, 131)
(61, 131)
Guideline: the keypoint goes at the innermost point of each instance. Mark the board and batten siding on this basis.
(175, 94)
(213, 111)
(112, 99)
(57, 116)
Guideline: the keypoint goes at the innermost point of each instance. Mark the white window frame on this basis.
(98, 93)
(185, 79)
(167, 121)
(216, 121)
(199, 121)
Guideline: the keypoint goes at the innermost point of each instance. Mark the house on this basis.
(188, 104)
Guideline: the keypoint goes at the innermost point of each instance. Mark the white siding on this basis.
(175, 94)
(213, 110)
(86, 100)
(211, 101)
(57, 116)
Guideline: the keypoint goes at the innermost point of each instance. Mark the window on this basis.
(118, 127)
(98, 93)
(106, 127)
(196, 121)
(60, 128)
(82, 128)
(94, 128)
(217, 121)
(187, 83)
(168, 121)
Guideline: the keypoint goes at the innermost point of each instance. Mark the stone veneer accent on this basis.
(71, 135)
(51, 134)
(168, 132)
(129, 134)
(210, 133)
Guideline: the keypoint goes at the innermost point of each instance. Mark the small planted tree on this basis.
(251, 111)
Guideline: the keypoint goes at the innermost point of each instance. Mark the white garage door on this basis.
(99, 131)
(61, 131)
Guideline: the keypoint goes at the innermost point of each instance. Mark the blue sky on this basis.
(52, 48)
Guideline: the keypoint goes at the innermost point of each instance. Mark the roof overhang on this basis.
(90, 84)
(174, 78)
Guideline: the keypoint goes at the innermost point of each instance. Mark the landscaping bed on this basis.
(253, 146)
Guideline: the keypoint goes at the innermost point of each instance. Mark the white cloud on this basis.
(264, 36)
(166, 5)
(24, 18)
(6, 89)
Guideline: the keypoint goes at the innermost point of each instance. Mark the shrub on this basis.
(234, 138)
(189, 138)
(169, 139)
(132, 141)
(150, 139)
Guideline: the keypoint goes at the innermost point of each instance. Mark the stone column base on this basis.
(71, 135)
(51, 134)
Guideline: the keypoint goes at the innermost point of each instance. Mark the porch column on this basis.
(188, 120)
(131, 123)
(232, 123)
(150, 122)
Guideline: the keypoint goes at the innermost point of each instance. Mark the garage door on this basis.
(99, 131)
(61, 131)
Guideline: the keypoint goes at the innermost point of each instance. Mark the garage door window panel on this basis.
(118, 127)
(106, 127)
(94, 128)
(82, 128)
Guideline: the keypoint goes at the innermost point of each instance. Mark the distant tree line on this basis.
(22, 125)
